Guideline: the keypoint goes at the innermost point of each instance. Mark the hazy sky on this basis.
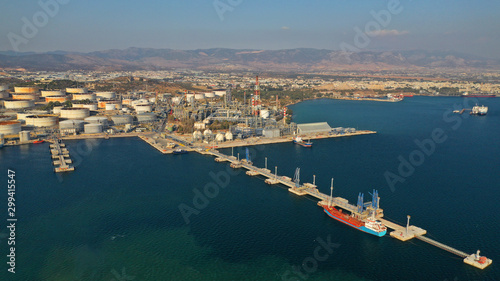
(459, 25)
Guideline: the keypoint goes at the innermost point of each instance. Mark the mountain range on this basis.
(221, 59)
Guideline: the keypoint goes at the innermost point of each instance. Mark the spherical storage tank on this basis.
(87, 96)
(93, 128)
(52, 93)
(76, 90)
(76, 125)
(25, 90)
(146, 117)
(42, 120)
(75, 113)
(106, 95)
(197, 136)
(18, 104)
(97, 120)
(122, 119)
(220, 137)
(207, 133)
(229, 136)
(10, 127)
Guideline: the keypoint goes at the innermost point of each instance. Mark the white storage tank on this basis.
(210, 95)
(122, 119)
(18, 104)
(24, 136)
(87, 96)
(53, 93)
(207, 133)
(264, 113)
(176, 100)
(93, 128)
(26, 96)
(229, 136)
(106, 95)
(10, 127)
(197, 136)
(21, 117)
(143, 108)
(146, 117)
(25, 90)
(220, 137)
(199, 96)
(76, 90)
(220, 93)
(75, 113)
(90, 106)
(110, 106)
(57, 109)
(42, 120)
(98, 120)
(76, 125)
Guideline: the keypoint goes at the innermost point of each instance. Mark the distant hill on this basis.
(302, 59)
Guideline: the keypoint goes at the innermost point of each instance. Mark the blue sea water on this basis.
(117, 217)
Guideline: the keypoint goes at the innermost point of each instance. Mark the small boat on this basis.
(180, 151)
(38, 141)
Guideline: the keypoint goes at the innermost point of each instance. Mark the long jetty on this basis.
(399, 232)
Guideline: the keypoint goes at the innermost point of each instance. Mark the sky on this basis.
(464, 26)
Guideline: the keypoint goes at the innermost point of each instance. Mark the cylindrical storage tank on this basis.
(98, 120)
(264, 113)
(220, 137)
(4, 87)
(88, 96)
(199, 96)
(110, 106)
(76, 90)
(24, 96)
(52, 93)
(122, 119)
(60, 99)
(229, 136)
(76, 125)
(90, 106)
(127, 101)
(143, 108)
(189, 96)
(5, 118)
(18, 104)
(21, 117)
(93, 128)
(106, 95)
(42, 120)
(75, 113)
(146, 117)
(4, 95)
(25, 90)
(57, 109)
(10, 127)
(24, 136)
(210, 95)
(220, 93)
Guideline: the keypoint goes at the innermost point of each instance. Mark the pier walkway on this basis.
(400, 232)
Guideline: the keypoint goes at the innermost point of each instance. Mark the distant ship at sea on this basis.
(467, 95)
(479, 110)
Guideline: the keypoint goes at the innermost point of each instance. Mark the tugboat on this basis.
(38, 141)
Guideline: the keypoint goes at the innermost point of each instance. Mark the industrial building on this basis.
(313, 128)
